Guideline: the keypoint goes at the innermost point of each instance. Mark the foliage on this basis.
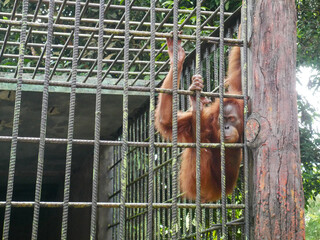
(310, 153)
(313, 220)
(308, 33)
(308, 36)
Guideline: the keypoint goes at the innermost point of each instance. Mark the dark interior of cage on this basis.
(110, 151)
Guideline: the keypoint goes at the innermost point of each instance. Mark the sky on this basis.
(303, 74)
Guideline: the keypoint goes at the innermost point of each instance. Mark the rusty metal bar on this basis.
(81, 60)
(122, 233)
(117, 143)
(85, 47)
(222, 149)
(30, 204)
(15, 125)
(43, 126)
(198, 72)
(151, 123)
(96, 151)
(244, 22)
(175, 103)
(72, 105)
(122, 32)
(112, 22)
(91, 86)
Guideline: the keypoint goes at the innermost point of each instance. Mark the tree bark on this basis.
(278, 200)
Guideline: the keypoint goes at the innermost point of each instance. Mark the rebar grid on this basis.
(60, 59)
(121, 50)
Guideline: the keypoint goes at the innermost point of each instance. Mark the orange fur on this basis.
(210, 158)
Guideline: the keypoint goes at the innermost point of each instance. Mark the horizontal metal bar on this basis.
(68, 70)
(118, 143)
(81, 35)
(116, 87)
(214, 40)
(26, 204)
(109, 21)
(109, 49)
(81, 60)
(132, 8)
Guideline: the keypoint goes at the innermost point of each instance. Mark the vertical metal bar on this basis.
(163, 180)
(43, 124)
(115, 151)
(203, 220)
(125, 122)
(96, 149)
(151, 118)
(208, 68)
(144, 196)
(188, 77)
(198, 124)
(182, 97)
(216, 66)
(15, 124)
(133, 132)
(221, 92)
(216, 84)
(175, 104)
(158, 187)
(169, 180)
(184, 216)
(233, 215)
(118, 180)
(136, 185)
(218, 220)
(140, 194)
(145, 181)
(134, 176)
(208, 77)
(64, 227)
(245, 93)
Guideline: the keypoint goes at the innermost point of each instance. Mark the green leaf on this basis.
(6, 2)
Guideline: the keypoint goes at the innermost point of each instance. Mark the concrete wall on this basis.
(105, 188)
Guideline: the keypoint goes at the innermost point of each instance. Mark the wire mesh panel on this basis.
(79, 83)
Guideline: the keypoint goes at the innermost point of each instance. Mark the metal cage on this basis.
(80, 157)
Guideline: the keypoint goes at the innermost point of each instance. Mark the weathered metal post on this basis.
(277, 194)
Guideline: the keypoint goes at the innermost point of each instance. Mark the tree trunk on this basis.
(278, 200)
